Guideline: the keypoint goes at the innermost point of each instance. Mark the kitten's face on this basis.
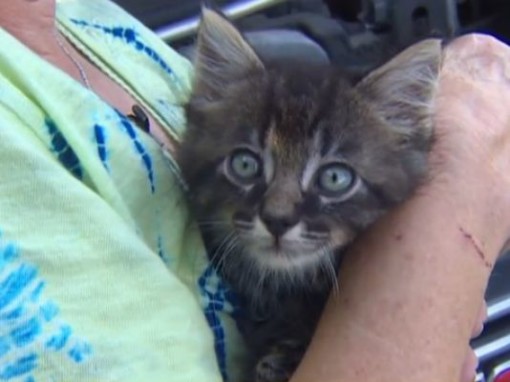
(286, 165)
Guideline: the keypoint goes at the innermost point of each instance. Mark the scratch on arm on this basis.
(476, 246)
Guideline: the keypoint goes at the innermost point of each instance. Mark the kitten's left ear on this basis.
(403, 89)
(222, 55)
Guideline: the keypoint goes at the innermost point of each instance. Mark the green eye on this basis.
(335, 179)
(245, 165)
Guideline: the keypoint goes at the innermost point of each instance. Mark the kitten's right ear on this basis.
(403, 89)
(221, 55)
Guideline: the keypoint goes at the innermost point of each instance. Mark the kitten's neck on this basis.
(269, 287)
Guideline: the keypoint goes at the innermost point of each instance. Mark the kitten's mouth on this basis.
(285, 255)
(277, 243)
(282, 248)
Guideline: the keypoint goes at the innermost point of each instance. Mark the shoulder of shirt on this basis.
(127, 50)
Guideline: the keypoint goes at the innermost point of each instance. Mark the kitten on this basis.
(286, 164)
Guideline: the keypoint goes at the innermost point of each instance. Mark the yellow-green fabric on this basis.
(103, 276)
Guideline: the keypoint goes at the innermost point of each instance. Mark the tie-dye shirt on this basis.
(103, 276)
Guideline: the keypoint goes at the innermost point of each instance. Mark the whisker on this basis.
(211, 220)
(329, 268)
(315, 235)
(229, 248)
(229, 243)
(218, 252)
(212, 225)
(218, 223)
(243, 224)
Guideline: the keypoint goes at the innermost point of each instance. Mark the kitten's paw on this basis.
(272, 368)
(278, 365)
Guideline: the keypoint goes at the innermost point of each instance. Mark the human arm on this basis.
(412, 287)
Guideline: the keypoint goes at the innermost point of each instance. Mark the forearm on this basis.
(411, 289)
(405, 310)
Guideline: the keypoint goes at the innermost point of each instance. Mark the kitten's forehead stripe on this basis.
(287, 152)
(326, 102)
(269, 165)
(300, 105)
(326, 142)
(254, 138)
(298, 135)
(314, 158)
(267, 114)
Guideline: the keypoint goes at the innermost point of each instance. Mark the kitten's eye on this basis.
(245, 165)
(335, 179)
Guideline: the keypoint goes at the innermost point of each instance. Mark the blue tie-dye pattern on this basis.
(4, 346)
(49, 311)
(100, 136)
(64, 152)
(19, 367)
(26, 333)
(80, 352)
(10, 252)
(216, 298)
(128, 127)
(130, 37)
(27, 320)
(59, 340)
(160, 247)
(161, 252)
(15, 283)
(36, 294)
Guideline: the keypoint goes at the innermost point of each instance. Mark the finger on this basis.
(479, 323)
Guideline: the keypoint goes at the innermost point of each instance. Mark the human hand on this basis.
(473, 125)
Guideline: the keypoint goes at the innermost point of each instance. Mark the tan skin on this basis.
(411, 292)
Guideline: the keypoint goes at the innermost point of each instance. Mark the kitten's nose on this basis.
(278, 225)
